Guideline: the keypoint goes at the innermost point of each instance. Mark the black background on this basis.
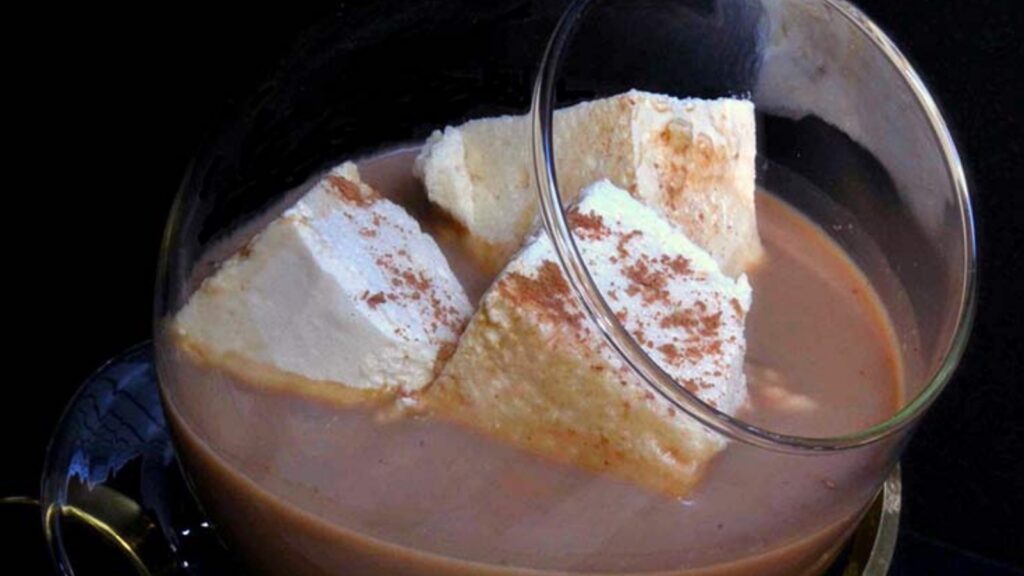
(109, 105)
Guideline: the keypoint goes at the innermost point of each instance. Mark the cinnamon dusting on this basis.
(588, 226)
(736, 307)
(350, 192)
(646, 282)
(621, 247)
(670, 351)
(678, 264)
(680, 319)
(374, 300)
(548, 292)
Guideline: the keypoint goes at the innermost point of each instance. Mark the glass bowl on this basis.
(847, 136)
(115, 498)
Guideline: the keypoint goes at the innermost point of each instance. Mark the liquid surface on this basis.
(331, 489)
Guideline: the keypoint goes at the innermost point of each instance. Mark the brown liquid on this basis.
(300, 486)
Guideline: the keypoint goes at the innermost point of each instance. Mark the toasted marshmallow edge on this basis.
(532, 370)
(343, 287)
(691, 159)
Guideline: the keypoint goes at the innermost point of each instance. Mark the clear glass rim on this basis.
(597, 308)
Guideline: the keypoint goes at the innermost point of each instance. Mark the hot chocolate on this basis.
(308, 484)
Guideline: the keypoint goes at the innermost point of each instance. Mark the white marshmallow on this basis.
(342, 287)
(692, 160)
(533, 370)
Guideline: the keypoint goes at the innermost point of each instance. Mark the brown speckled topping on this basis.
(410, 286)
(686, 330)
(547, 292)
(589, 226)
(374, 300)
(624, 240)
(650, 284)
(350, 192)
